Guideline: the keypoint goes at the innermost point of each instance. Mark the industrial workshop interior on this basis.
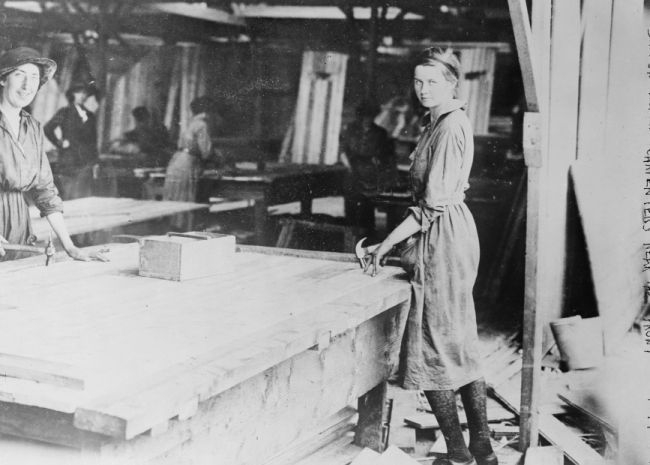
(324, 232)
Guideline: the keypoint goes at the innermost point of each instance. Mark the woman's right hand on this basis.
(2, 251)
(377, 257)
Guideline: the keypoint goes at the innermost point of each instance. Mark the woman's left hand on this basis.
(377, 257)
(78, 254)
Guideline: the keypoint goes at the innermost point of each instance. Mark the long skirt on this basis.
(15, 225)
(182, 178)
(440, 349)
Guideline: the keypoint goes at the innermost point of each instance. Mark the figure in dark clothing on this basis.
(150, 137)
(73, 131)
(371, 155)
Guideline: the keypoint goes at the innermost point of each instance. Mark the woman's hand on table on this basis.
(77, 254)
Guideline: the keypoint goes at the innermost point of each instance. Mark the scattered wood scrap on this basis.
(548, 455)
(426, 420)
(550, 428)
(391, 456)
(583, 401)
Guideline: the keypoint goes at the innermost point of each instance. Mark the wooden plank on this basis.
(103, 213)
(298, 149)
(425, 420)
(613, 252)
(366, 457)
(394, 456)
(584, 401)
(42, 371)
(551, 429)
(575, 449)
(548, 455)
(46, 426)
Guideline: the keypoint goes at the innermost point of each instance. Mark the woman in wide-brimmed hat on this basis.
(24, 168)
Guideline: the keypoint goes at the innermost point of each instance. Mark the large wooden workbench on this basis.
(229, 369)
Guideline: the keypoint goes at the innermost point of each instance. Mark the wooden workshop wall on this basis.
(608, 175)
(588, 62)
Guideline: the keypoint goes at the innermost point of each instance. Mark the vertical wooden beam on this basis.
(522, 31)
(548, 192)
(373, 41)
(534, 154)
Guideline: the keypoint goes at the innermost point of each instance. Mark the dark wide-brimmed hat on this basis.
(13, 58)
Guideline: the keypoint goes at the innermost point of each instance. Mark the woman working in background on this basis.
(441, 339)
(24, 168)
(194, 147)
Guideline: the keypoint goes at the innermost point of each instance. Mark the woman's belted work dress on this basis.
(441, 341)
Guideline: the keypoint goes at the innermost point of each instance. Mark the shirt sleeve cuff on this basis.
(424, 215)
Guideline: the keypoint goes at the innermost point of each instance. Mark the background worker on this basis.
(148, 142)
(24, 167)
(73, 131)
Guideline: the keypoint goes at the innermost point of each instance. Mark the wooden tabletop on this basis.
(248, 172)
(90, 214)
(123, 353)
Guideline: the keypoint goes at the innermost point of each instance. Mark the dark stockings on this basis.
(443, 404)
(474, 398)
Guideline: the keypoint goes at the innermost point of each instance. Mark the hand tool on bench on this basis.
(362, 252)
(48, 250)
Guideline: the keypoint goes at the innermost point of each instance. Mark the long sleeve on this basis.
(50, 127)
(44, 192)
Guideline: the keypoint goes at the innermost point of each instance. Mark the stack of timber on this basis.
(317, 123)
(223, 369)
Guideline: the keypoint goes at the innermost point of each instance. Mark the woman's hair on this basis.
(445, 58)
(74, 89)
(201, 105)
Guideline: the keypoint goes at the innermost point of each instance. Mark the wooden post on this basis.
(532, 156)
(373, 41)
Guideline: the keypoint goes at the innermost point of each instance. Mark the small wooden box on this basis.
(181, 256)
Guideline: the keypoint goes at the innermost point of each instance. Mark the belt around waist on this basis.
(443, 202)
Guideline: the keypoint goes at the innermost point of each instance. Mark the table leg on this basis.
(261, 222)
(305, 206)
(373, 416)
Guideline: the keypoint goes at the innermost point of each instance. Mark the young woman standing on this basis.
(441, 339)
